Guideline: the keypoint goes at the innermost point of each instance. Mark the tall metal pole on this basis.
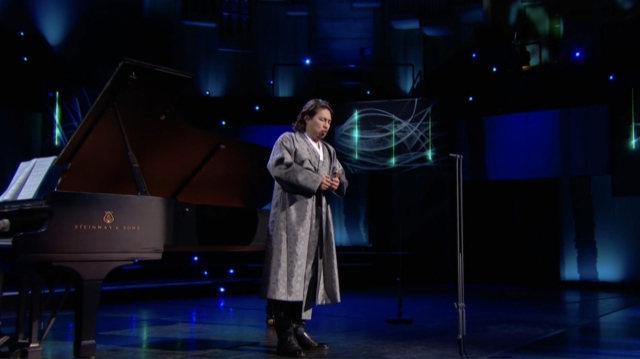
(459, 305)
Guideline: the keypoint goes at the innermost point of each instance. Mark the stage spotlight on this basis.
(223, 122)
(221, 290)
(368, 92)
(577, 54)
(257, 108)
(195, 258)
(21, 33)
(470, 98)
(206, 93)
(495, 69)
(473, 55)
(231, 271)
(611, 77)
(270, 82)
(307, 61)
(205, 273)
(24, 58)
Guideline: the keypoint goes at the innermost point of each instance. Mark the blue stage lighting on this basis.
(611, 77)
(577, 54)
(270, 82)
(473, 54)
(257, 108)
(135, 260)
(195, 258)
(470, 98)
(21, 33)
(223, 122)
(307, 61)
(231, 271)
(205, 273)
(495, 69)
(221, 290)
(54, 19)
(24, 58)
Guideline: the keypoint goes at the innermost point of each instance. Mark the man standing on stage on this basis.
(300, 260)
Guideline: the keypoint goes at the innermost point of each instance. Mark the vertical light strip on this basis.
(393, 140)
(56, 116)
(355, 135)
(430, 148)
(633, 122)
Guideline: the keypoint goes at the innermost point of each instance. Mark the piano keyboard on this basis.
(12, 206)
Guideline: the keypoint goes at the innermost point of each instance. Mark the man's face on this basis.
(318, 125)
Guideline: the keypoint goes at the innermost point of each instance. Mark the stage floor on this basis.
(501, 322)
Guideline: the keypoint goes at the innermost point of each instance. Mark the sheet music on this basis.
(18, 181)
(27, 179)
(36, 177)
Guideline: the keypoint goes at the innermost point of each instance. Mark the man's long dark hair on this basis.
(310, 109)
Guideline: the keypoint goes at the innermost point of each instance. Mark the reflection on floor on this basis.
(501, 322)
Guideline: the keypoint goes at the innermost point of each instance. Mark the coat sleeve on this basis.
(342, 188)
(337, 167)
(292, 176)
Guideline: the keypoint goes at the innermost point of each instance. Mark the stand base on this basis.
(399, 320)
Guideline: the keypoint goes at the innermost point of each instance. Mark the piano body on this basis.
(132, 176)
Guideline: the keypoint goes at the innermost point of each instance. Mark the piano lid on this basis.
(175, 159)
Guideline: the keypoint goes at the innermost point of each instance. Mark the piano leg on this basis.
(3, 337)
(29, 301)
(23, 303)
(86, 315)
(88, 290)
(34, 349)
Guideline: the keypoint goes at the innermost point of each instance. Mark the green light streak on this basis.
(56, 115)
(633, 122)
(355, 135)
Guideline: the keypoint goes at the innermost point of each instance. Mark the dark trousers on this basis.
(287, 314)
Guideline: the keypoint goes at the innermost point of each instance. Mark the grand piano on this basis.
(135, 180)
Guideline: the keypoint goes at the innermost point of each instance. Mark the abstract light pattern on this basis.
(57, 132)
(66, 113)
(633, 122)
(376, 137)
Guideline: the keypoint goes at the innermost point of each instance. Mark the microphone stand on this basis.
(399, 319)
(459, 305)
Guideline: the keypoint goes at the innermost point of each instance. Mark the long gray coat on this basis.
(300, 221)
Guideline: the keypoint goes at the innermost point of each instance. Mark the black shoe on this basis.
(289, 347)
(305, 341)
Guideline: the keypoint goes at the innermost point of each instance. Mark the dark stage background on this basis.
(550, 166)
